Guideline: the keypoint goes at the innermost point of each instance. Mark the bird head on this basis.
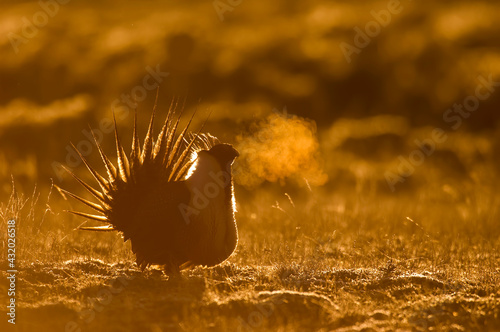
(223, 153)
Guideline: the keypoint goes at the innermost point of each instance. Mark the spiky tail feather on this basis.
(169, 158)
(107, 228)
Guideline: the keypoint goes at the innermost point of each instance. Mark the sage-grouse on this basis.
(173, 198)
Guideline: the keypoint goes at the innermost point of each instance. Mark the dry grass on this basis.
(309, 260)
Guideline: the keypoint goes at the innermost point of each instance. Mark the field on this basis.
(367, 199)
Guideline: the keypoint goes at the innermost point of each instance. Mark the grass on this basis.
(308, 260)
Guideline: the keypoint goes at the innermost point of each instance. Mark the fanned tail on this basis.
(168, 159)
(107, 228)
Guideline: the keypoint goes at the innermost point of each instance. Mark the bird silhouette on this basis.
(173, 198)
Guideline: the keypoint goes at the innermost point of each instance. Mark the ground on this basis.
(317, 263)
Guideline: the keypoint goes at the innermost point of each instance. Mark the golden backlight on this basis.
(366, 185)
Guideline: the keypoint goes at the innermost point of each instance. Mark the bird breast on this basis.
(211, 209)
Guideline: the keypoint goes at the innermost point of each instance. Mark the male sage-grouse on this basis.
(173, 198)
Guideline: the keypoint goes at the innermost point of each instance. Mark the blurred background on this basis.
(369, 140)
(330, 94)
